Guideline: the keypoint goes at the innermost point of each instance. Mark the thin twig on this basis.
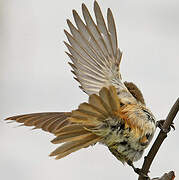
(166, 176)
(159, 140)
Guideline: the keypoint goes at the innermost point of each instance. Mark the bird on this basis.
(115, 114)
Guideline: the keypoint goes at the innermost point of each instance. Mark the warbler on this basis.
(115, 114)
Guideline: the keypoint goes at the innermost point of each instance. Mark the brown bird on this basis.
(115, 114)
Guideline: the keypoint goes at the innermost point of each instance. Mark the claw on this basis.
(160, 125)
(138, 170)
(172, 126)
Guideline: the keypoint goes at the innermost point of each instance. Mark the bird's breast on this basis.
(127, 142)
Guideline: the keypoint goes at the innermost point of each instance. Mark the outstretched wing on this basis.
(94, 51)
(95, 54)
(47, 121)
(80, 128)
(88, 124)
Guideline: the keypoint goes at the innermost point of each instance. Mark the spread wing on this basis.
(80, 128)
(88, 123)
(47, 121)
(94, 51)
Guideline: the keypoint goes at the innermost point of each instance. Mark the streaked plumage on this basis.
(115, 114)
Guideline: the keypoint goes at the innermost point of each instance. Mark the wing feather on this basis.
(103, 29)
(91, 110)
(96, 101)
(114, 103)
(87, 123)
(47, 121)
(134, 90)
(94, 51)
(112, 31)
(80, 128)
(73, 136)
(95, 32)
(78, 36)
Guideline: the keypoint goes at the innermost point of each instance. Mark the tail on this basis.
(75, 136)
(73, 142)
(87, 123)
(80, 128)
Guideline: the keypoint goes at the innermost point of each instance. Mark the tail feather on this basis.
(80, 134)
(69, 129)
(80, 128)
(70, 137)
(73, 146)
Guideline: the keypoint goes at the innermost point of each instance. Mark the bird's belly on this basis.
(124, 145)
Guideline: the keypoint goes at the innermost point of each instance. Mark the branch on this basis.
(160, 138)
(166, 176)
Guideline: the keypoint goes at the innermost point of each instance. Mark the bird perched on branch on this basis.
(115, 114)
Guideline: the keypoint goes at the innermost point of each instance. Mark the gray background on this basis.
(35, 77)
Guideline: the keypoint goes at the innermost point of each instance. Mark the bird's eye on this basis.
(148, 135)
(121, 104)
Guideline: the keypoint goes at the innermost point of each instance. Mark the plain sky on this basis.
(35, 77)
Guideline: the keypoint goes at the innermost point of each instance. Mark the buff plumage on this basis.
(115, 114)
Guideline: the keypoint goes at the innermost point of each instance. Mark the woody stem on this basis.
(159, 140)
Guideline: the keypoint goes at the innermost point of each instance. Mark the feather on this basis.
(114, 103)
(75, 136)
(48, 121)
(91, 110)
(69, 129)
(94, 51)
(104, 95)
(96, 101)
(103, 29)
(73, 146)
(78, 36)
(134, 90)
(112, 31)
(93, 29)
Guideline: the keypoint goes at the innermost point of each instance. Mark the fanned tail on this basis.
(73, 146)
(80, 128)
(87, 123)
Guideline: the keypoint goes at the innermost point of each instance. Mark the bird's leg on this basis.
(160, 123)
(137, 170)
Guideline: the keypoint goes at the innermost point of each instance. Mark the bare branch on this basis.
(166, 176)
(159, 140)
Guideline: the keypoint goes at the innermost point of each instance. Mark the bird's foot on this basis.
(138, 170)
(160, 123)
